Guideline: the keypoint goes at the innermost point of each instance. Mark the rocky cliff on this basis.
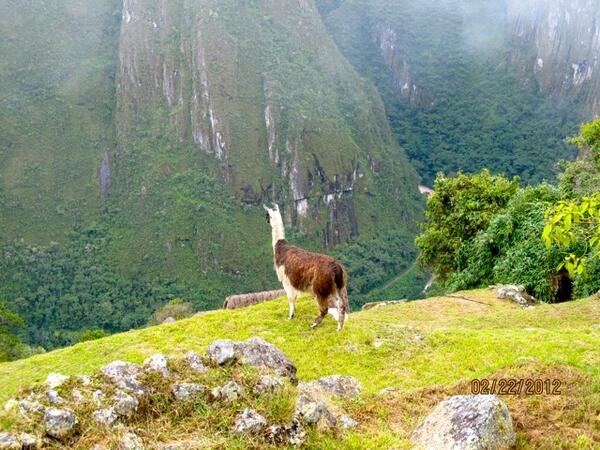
(168, 123)
(461, 79)
(557, 43)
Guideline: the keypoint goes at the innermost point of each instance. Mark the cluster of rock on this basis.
(516, 293)
(114, 397)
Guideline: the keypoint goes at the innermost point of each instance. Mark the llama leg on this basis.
(324, 308)
(341, 317)
(291, 295)
(292, 302)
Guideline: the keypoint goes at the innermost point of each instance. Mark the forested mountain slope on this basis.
(496, 84)
(143, 136)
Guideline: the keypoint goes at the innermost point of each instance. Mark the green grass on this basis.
(422, 349)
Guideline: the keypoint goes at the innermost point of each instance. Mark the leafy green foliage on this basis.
(570, 222)
(61, 289)
(176, 308)
(507, 250)
(459, 208)
(90, 335)
(10, 345)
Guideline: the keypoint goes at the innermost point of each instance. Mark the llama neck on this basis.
(277, 230)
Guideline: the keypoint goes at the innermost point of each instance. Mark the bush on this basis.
(176, 308)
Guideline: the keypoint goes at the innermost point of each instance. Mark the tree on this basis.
(459, 208)
(10, 346)
(176, 308)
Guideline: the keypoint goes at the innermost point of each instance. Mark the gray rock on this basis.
(55, 380)
(29, 441)
(54, 398)
(292, 434)
(9, 442)
(221, 352)
(268, 385)
(158, 363)
(469, 422)
(85, 380)
(60, 423)
(98, 396)
(124, 375)
(77, 396)
(131, 441)
(31, 407)
(124, 404)
(227, 393)
(261, 354)
(186, 391)
(516, 293)
(118, 370)
(195, 362)
(105, 416)
(347, 422)
(168, 320)
(311, 413)
(249, 422)
(342, 386)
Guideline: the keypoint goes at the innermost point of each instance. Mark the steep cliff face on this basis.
(57, 64)
(557, 43)
(453, 101)
(261, 93)
(165, 124)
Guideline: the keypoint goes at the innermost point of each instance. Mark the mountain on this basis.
(496, 84)
(408, 357)
(138, 140)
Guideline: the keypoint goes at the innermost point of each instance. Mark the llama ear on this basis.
(266, 208)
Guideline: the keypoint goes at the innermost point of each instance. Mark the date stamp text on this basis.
(516, 386)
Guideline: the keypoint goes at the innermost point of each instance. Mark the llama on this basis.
(300, 271)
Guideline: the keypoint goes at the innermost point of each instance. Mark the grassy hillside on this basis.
(423, 350)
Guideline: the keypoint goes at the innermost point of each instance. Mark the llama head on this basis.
(272, 214)
(274, 219)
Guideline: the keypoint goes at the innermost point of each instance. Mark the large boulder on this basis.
(467, 422)
(221, 352)
(516, 293)
(255, 352)
(261, 354)
(60, 423)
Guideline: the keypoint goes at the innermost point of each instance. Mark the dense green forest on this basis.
(484, 229)
(452, 101)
